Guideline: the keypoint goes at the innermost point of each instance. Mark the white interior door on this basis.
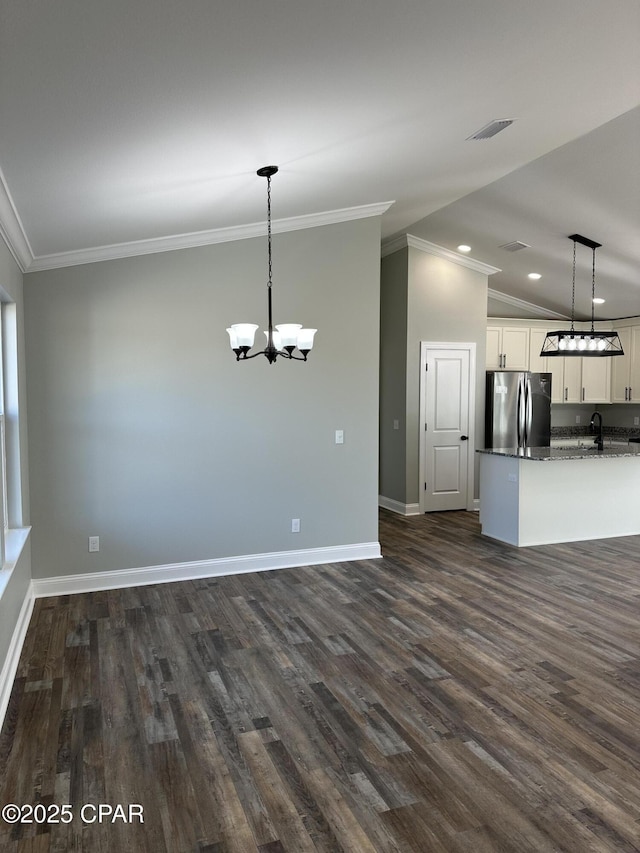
(447, 457)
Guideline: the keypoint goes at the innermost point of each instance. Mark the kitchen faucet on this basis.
(598, 439)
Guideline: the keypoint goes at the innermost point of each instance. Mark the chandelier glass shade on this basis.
(283, 339)
(576, 342)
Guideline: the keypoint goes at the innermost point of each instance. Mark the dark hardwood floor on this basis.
(458, 695)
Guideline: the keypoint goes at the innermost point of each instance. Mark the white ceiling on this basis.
(146, 119)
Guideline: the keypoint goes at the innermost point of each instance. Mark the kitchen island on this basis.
(544, 495)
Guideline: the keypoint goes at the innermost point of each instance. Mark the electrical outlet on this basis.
(512, 478)
(295, 525)
(339, 436)
(94, 543)
(577, 419)
(636, 421)
(396, 424)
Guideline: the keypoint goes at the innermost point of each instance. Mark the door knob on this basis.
(464, 438)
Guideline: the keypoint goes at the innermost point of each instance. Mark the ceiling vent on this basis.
(515, 246)
(492, 128)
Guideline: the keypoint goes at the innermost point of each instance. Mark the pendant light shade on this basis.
(286, 337)
(572, 342)
(569, 342)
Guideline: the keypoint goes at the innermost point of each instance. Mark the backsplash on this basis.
(579, 430)
(624, 416)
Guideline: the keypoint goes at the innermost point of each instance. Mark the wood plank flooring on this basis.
(458, 695)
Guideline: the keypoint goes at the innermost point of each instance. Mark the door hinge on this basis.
(426, 366)
(425, 427)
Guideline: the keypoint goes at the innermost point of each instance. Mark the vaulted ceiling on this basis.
(139, 124)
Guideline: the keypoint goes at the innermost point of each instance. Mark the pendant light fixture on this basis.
(283, 340)
(567, 342)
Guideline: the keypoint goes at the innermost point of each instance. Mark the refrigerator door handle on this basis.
(529, 410)
(521, 413)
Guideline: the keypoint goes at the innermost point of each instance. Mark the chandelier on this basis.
(286, 337)
(580, 343)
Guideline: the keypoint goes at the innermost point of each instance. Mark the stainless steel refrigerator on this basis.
(518, 409)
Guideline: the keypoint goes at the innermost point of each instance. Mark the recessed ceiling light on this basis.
(598, 300)
(535, 275)
(464, 248)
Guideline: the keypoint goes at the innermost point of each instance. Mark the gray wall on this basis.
(447, 302)
(146, 432)
(424, 298)
(16, 589)
(393, 387)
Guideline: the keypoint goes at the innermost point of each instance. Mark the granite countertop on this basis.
(555, 454)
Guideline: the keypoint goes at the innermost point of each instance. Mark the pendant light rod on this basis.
(287, 336)
(593, 287)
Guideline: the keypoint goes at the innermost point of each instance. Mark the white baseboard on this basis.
(92, 582)
(10, 666)
(397, 507)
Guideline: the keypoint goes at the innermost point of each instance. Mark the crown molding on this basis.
(408, 240)
(523, 305)
(203, 238)
(11, 229)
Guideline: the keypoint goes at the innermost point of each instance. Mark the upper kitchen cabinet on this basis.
(625, 381)
(596, 380)
(574, 379)
(543, 364)
(507, 347)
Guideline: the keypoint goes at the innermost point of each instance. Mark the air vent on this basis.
(492, 128)
(515, 246)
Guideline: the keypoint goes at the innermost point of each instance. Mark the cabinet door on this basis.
(596, 380)
(555, 366)
(494, 351)
(634, 372)
(572, 380)
(621, 370)
(515, 348)
(537, 362)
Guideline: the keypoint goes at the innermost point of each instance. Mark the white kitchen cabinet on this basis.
(596, 380)
(507, 347)
(625, 381)
(537, 362)
(634, 372)
(585, 380)
(571, 379)
(544, 364)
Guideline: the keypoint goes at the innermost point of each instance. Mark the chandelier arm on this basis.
(271, 354)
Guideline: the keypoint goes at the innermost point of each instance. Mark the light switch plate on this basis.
(339, 436)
